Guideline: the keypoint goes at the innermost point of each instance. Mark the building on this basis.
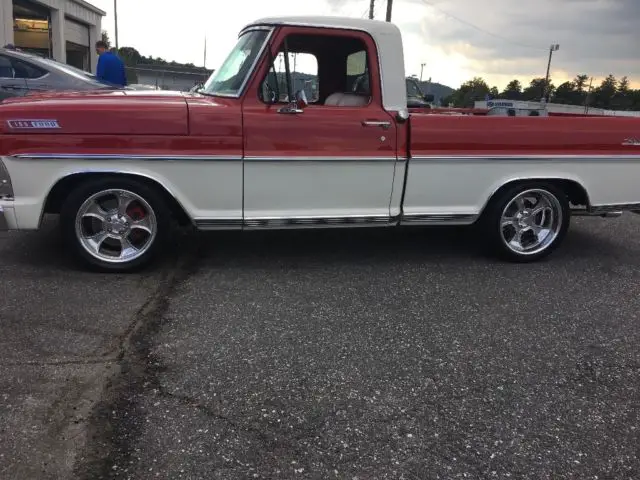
(168, 77)
(65, 30)
(557, 108)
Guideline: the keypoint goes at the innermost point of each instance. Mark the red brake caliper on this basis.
(136, 213)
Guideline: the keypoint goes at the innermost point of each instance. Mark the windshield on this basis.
(230, 77)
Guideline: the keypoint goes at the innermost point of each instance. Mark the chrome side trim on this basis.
(218, 223)
(6, 187)
(545, 157)
(601, 209)
(319, 222)
(319, 159)
(438, 218)
(583, 212)
(123, 156)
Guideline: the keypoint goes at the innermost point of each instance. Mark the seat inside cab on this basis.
(332, 70)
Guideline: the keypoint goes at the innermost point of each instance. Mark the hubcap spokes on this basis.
(531, 222)
(116, 226)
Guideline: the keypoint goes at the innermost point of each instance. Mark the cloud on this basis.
(456, 39)
(596, 37)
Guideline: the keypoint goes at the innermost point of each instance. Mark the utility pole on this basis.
(372, 5)
(389, 7)
(115, 16)
(421, 70)
(545, 93)
(587, 99)
(205, 52)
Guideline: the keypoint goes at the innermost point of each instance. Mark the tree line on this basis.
(611, 93)
(132, 58)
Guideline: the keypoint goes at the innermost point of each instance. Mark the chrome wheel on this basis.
(116, 226)
(531, 222)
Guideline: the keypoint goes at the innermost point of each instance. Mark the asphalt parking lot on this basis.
(339, 354)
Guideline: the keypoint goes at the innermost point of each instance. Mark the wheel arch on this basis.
(574, 189)
(59, 191)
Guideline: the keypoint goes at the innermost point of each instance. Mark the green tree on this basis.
(513, 91)
(535, 91)
(105, 38)
(603, 96)
(469, 92)
(581, 82)
(566, 93)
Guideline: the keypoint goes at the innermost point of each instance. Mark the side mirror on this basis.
(297, 105)
(301, 99)
(268, 95)
(429, 97)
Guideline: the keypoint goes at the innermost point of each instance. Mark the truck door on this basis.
(331, 162)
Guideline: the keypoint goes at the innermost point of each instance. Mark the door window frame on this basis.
(276, 43)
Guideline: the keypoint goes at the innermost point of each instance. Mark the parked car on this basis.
(415, 98)
(120, 169)
(22, 73)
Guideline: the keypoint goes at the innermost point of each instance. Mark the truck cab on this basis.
(332, 136)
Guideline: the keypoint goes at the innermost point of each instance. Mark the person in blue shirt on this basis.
(110, 67)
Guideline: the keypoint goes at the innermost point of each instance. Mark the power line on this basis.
(480, 29)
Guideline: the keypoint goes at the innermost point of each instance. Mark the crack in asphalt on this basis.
(112, 426)
(54, 363)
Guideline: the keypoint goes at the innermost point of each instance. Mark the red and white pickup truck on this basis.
(119, 166)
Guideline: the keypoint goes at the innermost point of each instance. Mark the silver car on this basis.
(21, 73)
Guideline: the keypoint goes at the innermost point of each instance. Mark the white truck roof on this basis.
(388, 40)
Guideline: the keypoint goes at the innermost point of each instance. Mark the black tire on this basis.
(80, 194)
(492, 231)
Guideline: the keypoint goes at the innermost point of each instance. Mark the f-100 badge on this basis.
(33, 124)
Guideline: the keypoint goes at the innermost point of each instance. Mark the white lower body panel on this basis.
(455, 190)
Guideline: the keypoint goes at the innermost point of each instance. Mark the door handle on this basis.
(376, 123)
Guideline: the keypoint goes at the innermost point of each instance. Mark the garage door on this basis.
(77, 33)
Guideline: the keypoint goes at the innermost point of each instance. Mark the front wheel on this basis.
(115, 225)
(527, 222)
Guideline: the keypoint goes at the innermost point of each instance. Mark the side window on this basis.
(358, 73)
(304, 75)
(26, 70)
(331, 70)
(6, 70)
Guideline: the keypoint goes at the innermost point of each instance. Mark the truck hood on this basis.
(97, 112)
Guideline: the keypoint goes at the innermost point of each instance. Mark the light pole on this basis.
(553, 48)
(372, 7)
(115, 17)
(389, 8)
(421, 70)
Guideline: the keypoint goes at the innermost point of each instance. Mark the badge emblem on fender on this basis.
(635, 142)
(33, 124)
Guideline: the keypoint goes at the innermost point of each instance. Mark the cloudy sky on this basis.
(456, 39)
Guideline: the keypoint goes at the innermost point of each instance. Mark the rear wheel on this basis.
(527, 222)
(115, 225)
